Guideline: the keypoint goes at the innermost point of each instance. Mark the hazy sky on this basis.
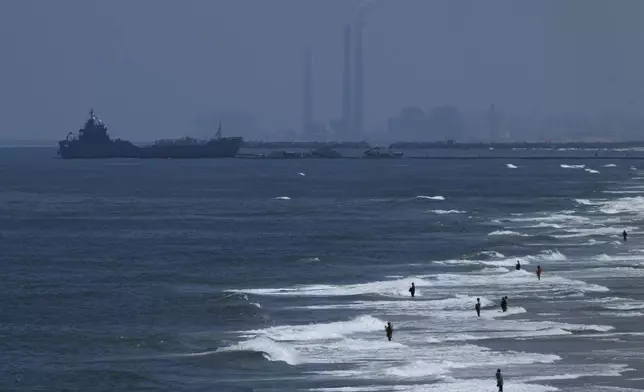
(151, 67)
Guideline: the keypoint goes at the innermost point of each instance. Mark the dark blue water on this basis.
(247, 275)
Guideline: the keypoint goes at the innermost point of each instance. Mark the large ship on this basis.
(93, 141)
(375, 152)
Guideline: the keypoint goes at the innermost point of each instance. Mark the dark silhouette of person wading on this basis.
(504, 303)
(499, 380)
(412, 289)
(389, 329)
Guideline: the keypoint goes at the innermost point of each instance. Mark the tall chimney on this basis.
(307, 98)
(346, 83)
(358, 106)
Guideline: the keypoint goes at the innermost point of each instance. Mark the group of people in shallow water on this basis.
(389, 328)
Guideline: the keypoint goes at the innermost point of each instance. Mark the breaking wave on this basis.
(508, 232)
(431, 197)
(444, 212)
(270, 349)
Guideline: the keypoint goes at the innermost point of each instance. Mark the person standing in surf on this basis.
(499, 380)
(504, 304)
(539, 270)
(389, 329)
(478, 307)
(518, 266)
(624, 234)
(412, 289)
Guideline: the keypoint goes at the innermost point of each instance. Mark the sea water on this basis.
(268, 275)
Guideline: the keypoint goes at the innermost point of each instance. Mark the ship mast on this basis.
(218, 134)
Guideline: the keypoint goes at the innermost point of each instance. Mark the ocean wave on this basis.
(499, 260)
(508, 232)
(444, 212)
(623, 205)
(457, 302)
(270, 349)
(598, 231)
(544, 225)
(388, 288)
(514, 278)
(431, 197)
(320, 331)
(553, 217)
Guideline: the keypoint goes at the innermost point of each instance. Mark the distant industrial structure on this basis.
(307, 92)
(350, 126)
(357, 127)
(344, 127)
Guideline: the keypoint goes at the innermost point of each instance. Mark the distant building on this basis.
(233, 124)
(409, 125)
(438, 124)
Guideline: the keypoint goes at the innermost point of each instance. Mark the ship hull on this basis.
(222, 148)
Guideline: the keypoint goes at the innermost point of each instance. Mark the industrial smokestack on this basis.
(358, 105)
(307, 98)
(346, 83)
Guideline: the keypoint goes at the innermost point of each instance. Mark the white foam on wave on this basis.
(626, 192)
(572, 166)
(436, 361)
(584, 202)
(610, 165)
(470, 385)
(501, 261)
(593, 171)
(399, 287)
(558, 218)
(416, 369)
(282, 198)
(495, 270)
(511, 166)
(600, 370)
(444, 212)
(492, 253)
(596, 231)
(619, 303)
(603, 257)
(309, 259)
(608, 272)
(391, 288)
(622, 314)
(431, 197)
(548, 255)
(513, 279)
(271, 350)
(457, 302)
(623, 205)
(509, 233)
(322, 331)
(543, 225)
